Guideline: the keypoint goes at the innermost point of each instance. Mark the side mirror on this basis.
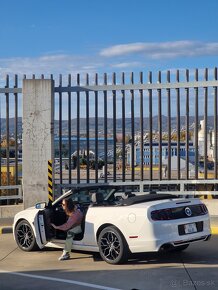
(40, 205)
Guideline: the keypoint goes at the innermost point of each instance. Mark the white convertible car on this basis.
(117, 223)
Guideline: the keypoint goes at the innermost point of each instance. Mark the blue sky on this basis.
(96, 36)
(88, 36)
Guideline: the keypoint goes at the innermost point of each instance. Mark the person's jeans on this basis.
(70, 236)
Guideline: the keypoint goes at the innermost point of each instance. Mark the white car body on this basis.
(134, 222)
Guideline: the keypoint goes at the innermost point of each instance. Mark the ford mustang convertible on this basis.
(116, 223)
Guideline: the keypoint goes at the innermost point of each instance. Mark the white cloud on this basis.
(118, 57)
(123, 49)
(48, 64)
(163, 50)
(125, 64)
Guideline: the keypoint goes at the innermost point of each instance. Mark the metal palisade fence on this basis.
(122, 128)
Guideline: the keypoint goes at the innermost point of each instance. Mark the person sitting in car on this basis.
(72, 226)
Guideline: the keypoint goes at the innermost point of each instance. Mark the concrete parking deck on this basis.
(195, 268)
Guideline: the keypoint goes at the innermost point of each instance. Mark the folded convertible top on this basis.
(147, 198)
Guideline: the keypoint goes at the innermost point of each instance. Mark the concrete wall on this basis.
(38, 139)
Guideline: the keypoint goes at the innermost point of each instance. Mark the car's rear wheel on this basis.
(112, 246)
(25, 237)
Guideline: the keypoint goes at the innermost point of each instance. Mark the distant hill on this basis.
(11, 126)
(128, 124)
(109, 124)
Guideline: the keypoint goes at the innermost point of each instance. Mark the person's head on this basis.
(68, 205)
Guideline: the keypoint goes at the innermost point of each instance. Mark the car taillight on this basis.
(204, 208)
(162, 214)
(179, 212)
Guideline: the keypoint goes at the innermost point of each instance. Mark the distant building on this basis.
(201, 140)
(155, 152)
(210, 141)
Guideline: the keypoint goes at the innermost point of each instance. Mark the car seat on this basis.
(97, 198)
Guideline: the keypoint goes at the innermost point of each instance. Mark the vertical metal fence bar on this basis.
(169, 128)
(150, 129)
(60, 130)
(105, 130)
(54, 163)
(69, 131)
(7, 131)
(78, 130)
(160, 126)
(24, 77)
(187, 127)
(141, 129)
(0, 139)
(114, 128)
(87, 131)
(96, 130)
(205, 123)
(132, 130)
(215, 126)
(178, 126)
(196, 126)
(123, 130)
(16, 128)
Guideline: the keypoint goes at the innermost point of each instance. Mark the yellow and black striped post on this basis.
(50, 181)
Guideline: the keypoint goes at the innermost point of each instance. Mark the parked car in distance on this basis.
(210, 165)
(102, 175)
(116, 223)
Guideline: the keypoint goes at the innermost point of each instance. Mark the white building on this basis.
(210, 141)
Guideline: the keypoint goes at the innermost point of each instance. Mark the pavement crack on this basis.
(187, 272)
(2, 259)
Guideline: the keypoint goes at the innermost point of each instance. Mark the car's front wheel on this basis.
(112, 246)
(25, 237)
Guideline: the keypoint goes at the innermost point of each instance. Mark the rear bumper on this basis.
(156, 236)
(157, 245)
(202, 238)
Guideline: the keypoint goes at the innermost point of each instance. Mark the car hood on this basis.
(28, 212)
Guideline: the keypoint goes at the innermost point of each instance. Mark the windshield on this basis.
(84, 195)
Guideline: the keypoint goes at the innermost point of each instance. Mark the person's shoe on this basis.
(64, 256)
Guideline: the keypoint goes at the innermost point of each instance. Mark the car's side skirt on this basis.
(76, 246)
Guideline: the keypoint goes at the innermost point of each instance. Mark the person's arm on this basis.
(74, 220)
(54, 226)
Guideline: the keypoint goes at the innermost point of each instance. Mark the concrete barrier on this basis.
(212, 205)
(9, 211)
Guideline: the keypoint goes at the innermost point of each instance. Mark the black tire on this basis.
(180, 248)
(25, 237)
(112, 246)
